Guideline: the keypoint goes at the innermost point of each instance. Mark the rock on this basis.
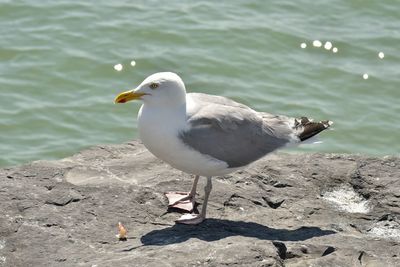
(61, 197)
(284, 210)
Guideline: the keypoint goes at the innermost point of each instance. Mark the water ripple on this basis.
(57, 80)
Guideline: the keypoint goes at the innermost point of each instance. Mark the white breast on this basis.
(159, 131)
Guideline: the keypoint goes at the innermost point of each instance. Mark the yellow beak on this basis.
(127, 96)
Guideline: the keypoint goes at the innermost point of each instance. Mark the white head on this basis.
(160, 89)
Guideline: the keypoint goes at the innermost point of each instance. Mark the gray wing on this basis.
(232, 132)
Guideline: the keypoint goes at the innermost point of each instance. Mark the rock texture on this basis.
(284, 210)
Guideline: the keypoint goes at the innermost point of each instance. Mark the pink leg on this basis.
(183, 200)
(198, 218)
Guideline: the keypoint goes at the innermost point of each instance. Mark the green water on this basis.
(58, 82)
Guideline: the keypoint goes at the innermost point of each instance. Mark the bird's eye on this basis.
(153, 86)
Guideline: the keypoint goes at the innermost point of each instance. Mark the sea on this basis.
(63, 62)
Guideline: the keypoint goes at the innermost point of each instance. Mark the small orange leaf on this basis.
(121, 232)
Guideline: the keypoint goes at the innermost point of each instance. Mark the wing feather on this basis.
(232, 132)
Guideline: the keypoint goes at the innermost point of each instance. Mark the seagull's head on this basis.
(161, 89)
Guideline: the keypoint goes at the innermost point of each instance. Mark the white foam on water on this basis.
(346, 199)
(317, 43)
(118, 67)
(328, 45)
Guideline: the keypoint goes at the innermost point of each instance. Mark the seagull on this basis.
(207, 135)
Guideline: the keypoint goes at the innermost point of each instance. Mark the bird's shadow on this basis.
(215, 229)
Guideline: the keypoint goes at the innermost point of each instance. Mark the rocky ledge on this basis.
(284, 210)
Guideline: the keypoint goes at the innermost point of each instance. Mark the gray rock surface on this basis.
(284, 210)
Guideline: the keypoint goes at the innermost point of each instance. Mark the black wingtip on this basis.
(311, 128)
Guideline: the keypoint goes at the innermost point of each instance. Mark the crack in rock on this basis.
(273, 203)
(328, 251)
(281, 249)
(360, 257)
